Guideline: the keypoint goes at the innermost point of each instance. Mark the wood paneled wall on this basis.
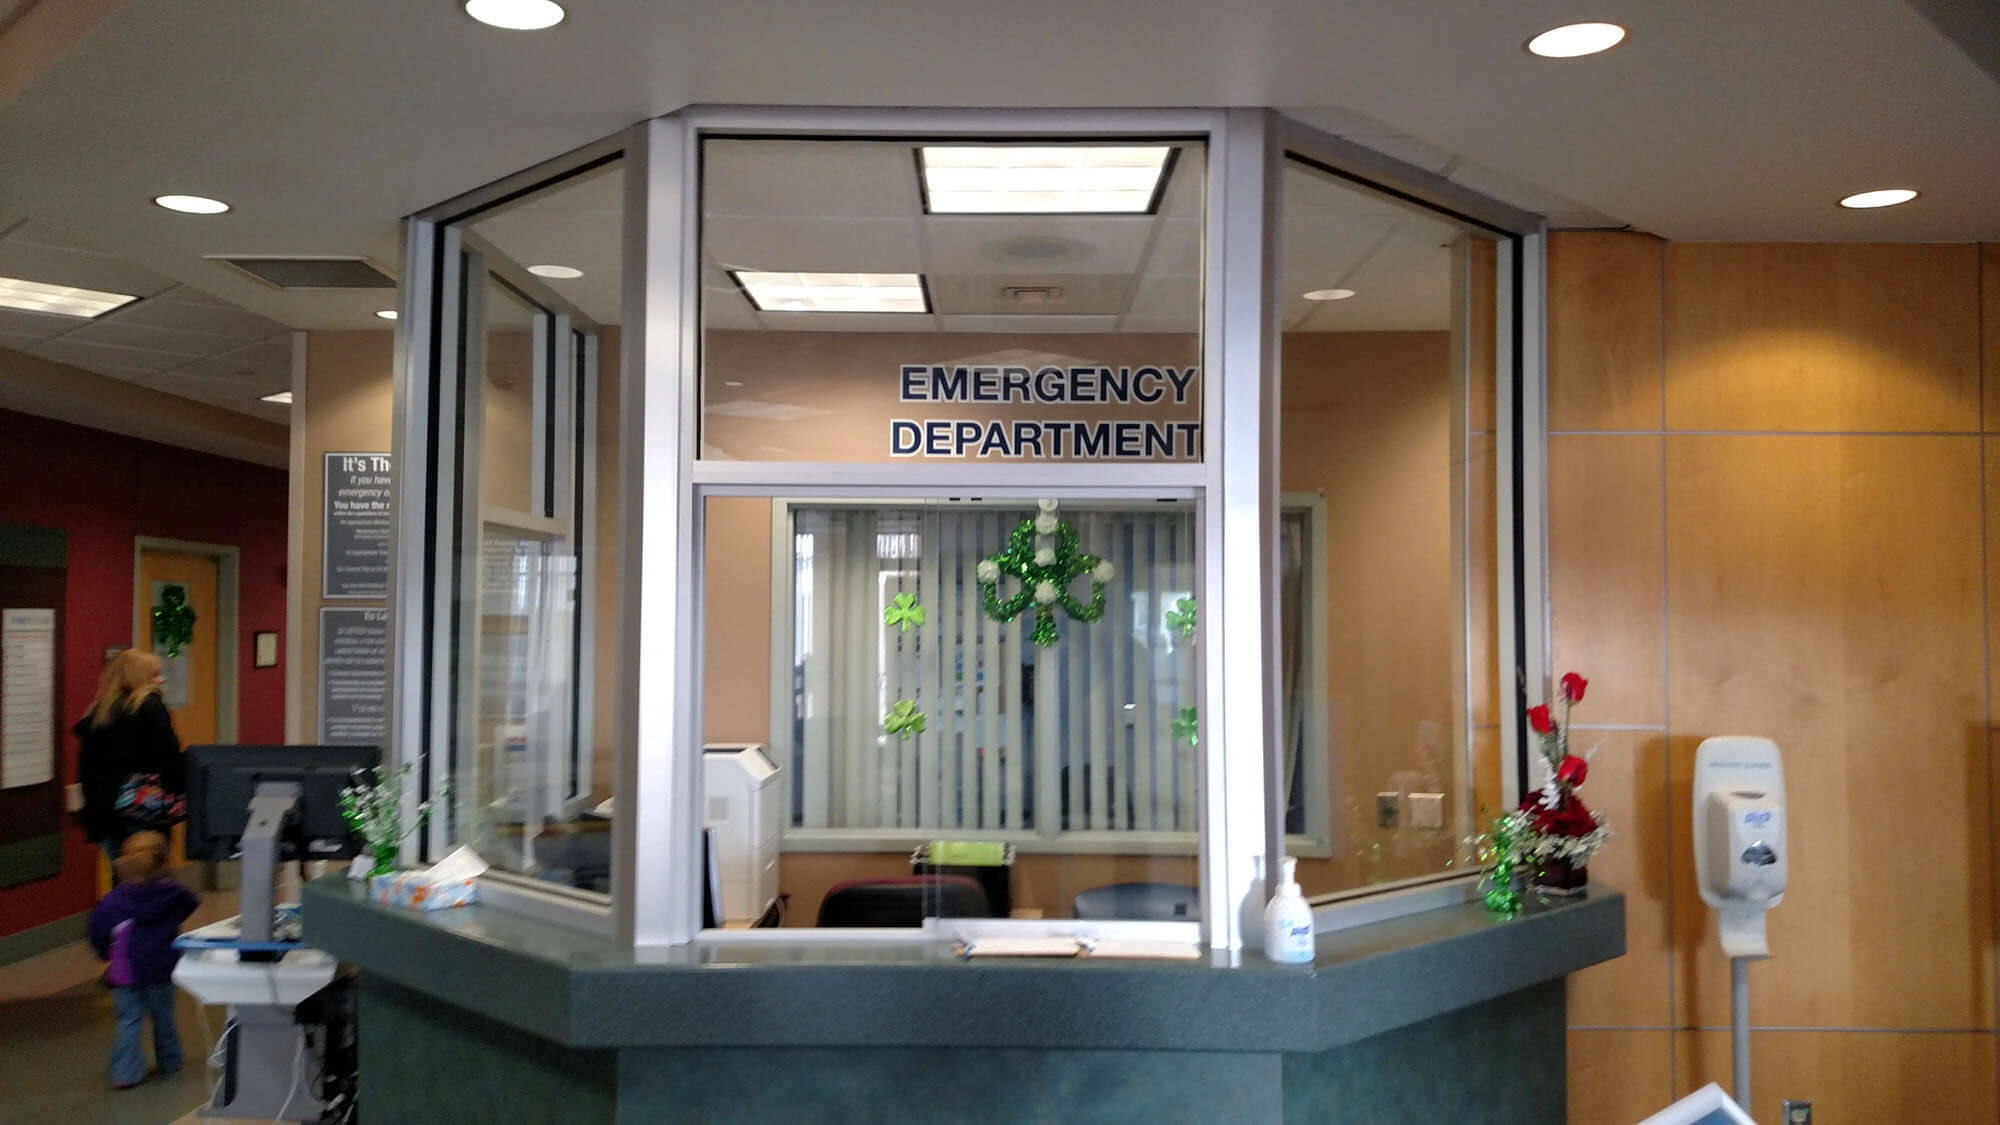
(1769, 472)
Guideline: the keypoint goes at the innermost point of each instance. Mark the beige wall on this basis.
(347, 407)
(841, 389)
(1771, 479)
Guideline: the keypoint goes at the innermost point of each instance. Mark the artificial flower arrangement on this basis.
(374, 810)
(1553, 834)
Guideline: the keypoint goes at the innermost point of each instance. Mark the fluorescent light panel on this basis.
(834, 292)
(1042, 179)
(282, 398)
(62, 300)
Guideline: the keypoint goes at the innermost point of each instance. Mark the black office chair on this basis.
(1142, 902)
(902, 901)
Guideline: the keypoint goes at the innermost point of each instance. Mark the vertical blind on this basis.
(1077, 736)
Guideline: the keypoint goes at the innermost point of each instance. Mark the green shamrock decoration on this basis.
(904, 611)
(1180, 619)
(1188, 726)
(1042, 555)
(173, 621)
(904, 720)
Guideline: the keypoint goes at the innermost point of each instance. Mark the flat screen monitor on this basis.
(221, 780)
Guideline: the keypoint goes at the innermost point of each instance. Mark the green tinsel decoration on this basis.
(1498, 853)
(173, 621)
(1044, 584)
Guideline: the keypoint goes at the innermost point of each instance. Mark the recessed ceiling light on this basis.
(1576, 39)
(191, 204)
(834, 292)
(732, 382)
(1043, 179)
(1886, 197)
(563, 273)
(387, 314)
(515, 15)
(1327, 294)
(62, 300)
(282, 398)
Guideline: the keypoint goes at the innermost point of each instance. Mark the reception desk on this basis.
(476, 1015)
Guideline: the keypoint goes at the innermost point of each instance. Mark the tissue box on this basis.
(416, 890)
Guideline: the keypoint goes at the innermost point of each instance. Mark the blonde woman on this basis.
(129, 764)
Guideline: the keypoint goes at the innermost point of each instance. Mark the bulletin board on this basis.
(34, 577)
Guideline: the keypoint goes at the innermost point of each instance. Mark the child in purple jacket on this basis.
(134, 929)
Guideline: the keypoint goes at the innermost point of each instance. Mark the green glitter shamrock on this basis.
(1180, 619)
(173, 621)
(1188, 726)
(904, 611)
(1045, 574)
(904, 720)
(1497, 852)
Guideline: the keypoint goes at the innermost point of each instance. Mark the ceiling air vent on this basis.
(313, 273)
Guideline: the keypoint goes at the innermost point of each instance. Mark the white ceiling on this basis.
(175, 338)
(323, 123)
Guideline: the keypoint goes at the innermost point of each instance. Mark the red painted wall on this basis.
(106, 490)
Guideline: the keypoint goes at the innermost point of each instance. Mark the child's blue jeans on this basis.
(135, 1003)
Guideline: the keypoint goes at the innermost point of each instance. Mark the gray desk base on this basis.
(489, 1017)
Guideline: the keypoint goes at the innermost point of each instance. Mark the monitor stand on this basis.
(270, 807)
(264, 1070)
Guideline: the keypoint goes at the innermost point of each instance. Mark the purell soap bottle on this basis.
(1288, 921)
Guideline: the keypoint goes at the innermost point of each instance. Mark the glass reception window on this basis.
(533, 619)
(895, 677)
(1003, 301)
(1387, 569)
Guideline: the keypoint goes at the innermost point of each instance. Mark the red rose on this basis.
(1572, 819)
(1572, 687)
(1540, 719)
(1573, 770)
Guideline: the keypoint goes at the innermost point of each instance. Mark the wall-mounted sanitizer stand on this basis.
(1740, 862)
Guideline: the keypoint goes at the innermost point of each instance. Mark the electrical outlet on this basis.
(1798, 1111)
(1426, 810)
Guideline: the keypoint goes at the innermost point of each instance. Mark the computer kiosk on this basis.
(267, 804)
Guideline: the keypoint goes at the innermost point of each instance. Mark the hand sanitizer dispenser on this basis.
(1740, 854)
(1740, 861)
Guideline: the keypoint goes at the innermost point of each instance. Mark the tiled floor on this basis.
(55, 1042)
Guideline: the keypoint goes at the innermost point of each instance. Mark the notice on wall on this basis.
(353, 676)
(354, 548)
(27, 697)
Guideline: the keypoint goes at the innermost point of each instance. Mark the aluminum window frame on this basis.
(434, 357)
(655, 865)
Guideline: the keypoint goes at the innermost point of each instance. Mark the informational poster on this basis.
(27, 697)
(354, 546)
(353, 676)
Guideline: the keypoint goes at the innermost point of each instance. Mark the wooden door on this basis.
(192, 677)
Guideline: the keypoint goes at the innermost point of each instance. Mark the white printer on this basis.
(743, 810)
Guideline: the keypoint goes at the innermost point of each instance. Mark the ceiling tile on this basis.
(95, 357)
(190, 344)
(171, 312)
(41, 326)
(814, 245)
(834, 179)
(1036, 244)
(1018, 325)
(53, 265)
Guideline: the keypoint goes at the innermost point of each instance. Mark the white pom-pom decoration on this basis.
(1046, 505)
(988, 570)
(1046, 523)
(1045, 557)
(1103, 572)
(1045, 592)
